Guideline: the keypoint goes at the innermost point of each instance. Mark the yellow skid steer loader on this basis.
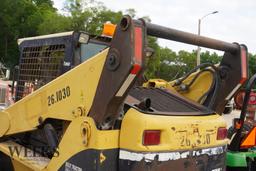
(92, 117)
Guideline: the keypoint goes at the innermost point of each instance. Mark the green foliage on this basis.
(38, 17)
(19, 18)
(95, 26)
(206, 57)
(252, 64)
(168, 65)
(153, 61)
(58, 23)
(90, 15)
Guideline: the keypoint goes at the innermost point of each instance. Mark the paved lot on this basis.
(229, 117)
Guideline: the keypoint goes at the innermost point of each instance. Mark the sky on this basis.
(234, 22)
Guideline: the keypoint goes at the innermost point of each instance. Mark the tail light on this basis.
(222, 133)
(151, 137)
(244, 68)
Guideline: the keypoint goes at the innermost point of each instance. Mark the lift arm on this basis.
(95, 88)
(232, 72)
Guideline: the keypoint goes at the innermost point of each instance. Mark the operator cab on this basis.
(44, 58)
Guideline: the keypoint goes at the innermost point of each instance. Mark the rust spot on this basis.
(195, 130)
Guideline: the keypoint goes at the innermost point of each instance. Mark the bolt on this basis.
(112, 60)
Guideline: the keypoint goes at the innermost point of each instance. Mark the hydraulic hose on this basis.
(214, 85)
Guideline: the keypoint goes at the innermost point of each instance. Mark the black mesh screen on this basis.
(164, 101)
(38, 66)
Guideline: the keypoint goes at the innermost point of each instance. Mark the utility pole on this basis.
(198, 61)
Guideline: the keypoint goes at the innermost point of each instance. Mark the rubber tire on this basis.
(5, 163)
(251, 165)
(236, 169)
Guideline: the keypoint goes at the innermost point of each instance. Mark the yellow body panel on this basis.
(158, 83)
(74, 141)
(20, 166)
(201, 85)
(79, 86)
(94, 139)
(177, 132)
(82, 82)
(23, 159)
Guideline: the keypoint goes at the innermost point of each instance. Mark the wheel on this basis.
(5, 163)
(236, 169)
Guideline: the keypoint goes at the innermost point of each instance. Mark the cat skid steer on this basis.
(93, 118)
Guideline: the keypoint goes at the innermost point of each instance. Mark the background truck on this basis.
(93, 118)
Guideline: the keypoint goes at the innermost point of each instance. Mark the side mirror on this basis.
(83, 38)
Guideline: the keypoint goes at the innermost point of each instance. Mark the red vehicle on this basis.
(240, 96)
(251, 109)
(252, 100)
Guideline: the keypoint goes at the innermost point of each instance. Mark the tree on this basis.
(37, 17)
(58, 23)
(21, 23)
(252, 64)
(95, 26)
(152, 62)
(90, 15)
(206, 57)
(167, 68)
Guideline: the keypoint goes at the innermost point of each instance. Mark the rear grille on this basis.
(164, 101)
(38, 66)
